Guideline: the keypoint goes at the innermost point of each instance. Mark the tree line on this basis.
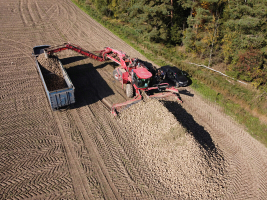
(229, 31)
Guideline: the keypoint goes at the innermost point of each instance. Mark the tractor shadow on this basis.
(90, 86)
(186, 92)
(188, 122)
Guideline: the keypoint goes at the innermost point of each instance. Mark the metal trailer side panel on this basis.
(62, 98)
(43, 81)
(57, 98)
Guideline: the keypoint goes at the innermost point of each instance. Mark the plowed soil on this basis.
(153, 150)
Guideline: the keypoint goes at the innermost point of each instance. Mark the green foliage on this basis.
(202, 34)
(189, 39)
(254, 125)
(250, 67)
(223, 92)
(152, 18)
(209, 29)
(176, 34)
(246, 22)
(179, 22)
(102, 6)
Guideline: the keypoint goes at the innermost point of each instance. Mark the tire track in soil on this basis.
(109, 190)
(129, 166)
(30, 166)
(246, 157)
(23, 18)
(80, 185)
(25, 13)
(51, 12)
(116, 86)
(31, 163)
(11, 12)
(99, 135)
(68, 8)
(37, 11)
(40, 12)
(105, 143)
(34, 13)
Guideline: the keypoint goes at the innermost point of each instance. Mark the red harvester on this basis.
(132, 73)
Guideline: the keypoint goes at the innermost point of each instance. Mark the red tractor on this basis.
(132, 73)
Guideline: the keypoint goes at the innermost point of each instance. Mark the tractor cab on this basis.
(141, 78)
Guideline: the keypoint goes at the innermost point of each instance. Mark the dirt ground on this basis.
(153, 150)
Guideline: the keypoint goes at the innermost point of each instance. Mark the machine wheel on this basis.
(116, 75)
(129, 90)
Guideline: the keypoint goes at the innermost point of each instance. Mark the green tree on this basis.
(152, 18)
(120, 8)
(251, 67)
(181, 12)
(202, 33)
(244, 26)
(102, 6)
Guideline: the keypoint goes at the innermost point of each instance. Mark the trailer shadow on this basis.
(90, 86)
(188, 122)
(69, 60)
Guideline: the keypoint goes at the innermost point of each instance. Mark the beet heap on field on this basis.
(52, 73)
(173, 156)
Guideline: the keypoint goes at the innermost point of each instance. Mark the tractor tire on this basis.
(116, 75)
(129, 90)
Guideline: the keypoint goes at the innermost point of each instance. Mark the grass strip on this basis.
(254, 126)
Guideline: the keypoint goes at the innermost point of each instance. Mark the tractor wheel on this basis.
(129, 90)
(116, 75)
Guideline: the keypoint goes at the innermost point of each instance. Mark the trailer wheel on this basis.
(129, 90)
(116, 75)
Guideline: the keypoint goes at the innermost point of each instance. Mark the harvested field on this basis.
(154, 150)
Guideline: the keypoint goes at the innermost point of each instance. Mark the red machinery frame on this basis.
(128, 66)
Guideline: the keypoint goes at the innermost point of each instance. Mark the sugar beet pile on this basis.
(52, 73)
(173, 156)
